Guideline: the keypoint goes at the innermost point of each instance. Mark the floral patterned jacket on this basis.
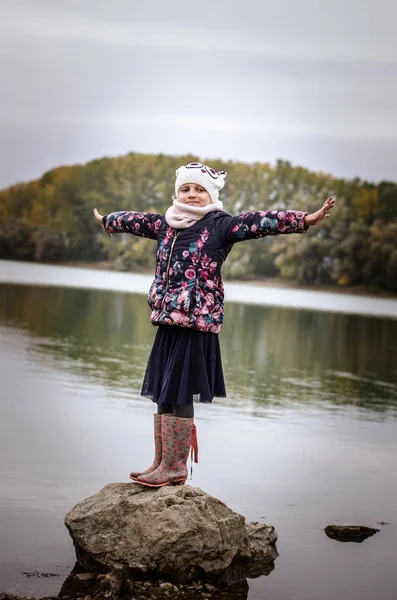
(187, 289)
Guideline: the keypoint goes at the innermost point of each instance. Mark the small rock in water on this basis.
(349, 533)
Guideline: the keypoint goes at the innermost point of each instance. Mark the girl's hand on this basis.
(317, 217)
(99, 218)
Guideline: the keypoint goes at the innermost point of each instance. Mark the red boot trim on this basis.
(193, 450)
(194, 446)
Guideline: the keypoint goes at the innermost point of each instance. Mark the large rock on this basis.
(177, 532)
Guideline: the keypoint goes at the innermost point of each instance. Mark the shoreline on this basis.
(266, 282)
(273, 293)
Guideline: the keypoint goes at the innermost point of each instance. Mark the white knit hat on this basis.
(210, 179)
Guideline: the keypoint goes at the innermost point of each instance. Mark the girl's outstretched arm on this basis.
(138, 223)
(253, 225)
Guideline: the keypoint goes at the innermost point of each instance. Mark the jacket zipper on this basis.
(167, 271)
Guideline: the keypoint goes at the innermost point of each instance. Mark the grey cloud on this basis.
(67, 98)
(47, 79)
(68, 144)
(338, 29)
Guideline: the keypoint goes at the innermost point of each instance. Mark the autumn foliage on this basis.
(50, 219)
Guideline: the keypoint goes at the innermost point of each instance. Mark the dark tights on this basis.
(184, 411)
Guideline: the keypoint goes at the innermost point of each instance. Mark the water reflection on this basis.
(273, 357)
(73, 587)
(325, 452)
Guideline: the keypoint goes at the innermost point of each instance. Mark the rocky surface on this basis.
(177, 533)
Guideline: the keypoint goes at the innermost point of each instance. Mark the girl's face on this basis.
(193, 194)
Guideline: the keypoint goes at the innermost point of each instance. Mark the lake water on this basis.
(307, 436)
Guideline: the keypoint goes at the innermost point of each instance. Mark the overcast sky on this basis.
(254, 80)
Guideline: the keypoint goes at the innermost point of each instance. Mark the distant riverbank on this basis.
(254, 292)
(276, 282)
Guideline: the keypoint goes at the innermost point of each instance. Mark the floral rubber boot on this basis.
(179, 437)
(157, 449)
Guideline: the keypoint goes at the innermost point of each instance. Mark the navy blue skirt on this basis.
(184, 365)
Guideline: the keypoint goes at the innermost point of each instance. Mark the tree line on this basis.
(50, 219)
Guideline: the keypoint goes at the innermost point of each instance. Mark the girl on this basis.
(194, 238)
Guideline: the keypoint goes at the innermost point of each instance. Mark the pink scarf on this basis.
(181, 216)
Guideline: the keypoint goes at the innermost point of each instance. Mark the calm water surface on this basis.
(306, 437)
